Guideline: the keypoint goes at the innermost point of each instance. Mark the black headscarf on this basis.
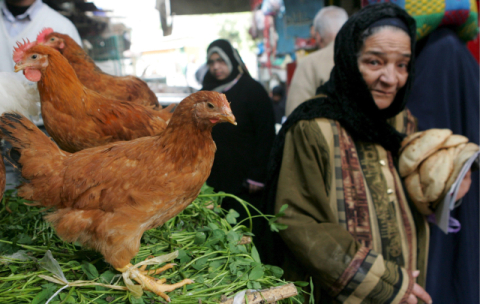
(349, 100)
(231, 57)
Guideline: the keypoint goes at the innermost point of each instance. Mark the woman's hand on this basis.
(465, 185)
(418, 292)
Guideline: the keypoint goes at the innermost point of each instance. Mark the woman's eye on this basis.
(210, 105)
(34, 56)
(52, 39)
(402, 65)
(374, 62)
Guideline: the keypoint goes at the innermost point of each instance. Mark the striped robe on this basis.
(350, 225)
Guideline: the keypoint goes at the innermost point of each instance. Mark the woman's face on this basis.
(383, 63)
(218, 67)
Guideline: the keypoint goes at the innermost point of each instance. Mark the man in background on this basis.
(24, 19)
(314, 70)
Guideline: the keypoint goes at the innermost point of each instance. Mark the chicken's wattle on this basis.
(32, 74)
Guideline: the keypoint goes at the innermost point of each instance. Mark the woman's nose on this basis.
(388, 75)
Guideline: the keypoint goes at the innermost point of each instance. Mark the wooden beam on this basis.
(195, 7)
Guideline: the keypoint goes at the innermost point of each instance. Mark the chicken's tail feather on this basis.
(39, 158)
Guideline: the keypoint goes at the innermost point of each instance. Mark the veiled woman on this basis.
(350, 224)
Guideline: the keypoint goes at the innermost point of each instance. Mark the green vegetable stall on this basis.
(206, 242)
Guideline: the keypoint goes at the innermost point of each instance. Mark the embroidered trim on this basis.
(349, 272)
(403, 207)
(355, 195)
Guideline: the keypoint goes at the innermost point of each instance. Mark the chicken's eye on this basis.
(52, 39)
(34, 56)
(210, 105)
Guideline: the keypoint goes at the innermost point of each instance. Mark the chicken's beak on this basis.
(229, 118)
(19, 67)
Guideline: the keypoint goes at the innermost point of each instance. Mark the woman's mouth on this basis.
(383, 92)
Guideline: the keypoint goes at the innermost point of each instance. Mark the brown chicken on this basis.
(128, 88)
(75, 116)
(107, 197)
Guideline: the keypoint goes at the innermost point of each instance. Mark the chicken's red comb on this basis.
(43, 34)
(19, 51)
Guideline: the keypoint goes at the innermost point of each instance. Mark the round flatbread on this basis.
(421, 147)
(414, 189)
(454, 140)
(434, 173)
(409, 139)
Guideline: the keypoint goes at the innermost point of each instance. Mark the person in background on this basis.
(446, 95)
(243, 150)
(314, 70)
(24, 19)
(278, 103)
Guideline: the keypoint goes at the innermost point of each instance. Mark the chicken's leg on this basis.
(143, 269)
(157, 286)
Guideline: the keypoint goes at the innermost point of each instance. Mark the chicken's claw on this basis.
(143, 277)
(156, 271)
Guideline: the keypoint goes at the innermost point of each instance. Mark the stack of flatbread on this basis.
(430, 162)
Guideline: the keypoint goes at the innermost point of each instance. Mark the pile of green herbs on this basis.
(205, 236)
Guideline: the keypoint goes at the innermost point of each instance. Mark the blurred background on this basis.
(164, 41)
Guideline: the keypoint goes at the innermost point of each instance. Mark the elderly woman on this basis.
(350, 224)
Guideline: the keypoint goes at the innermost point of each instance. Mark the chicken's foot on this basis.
(157, 286)
(143, 269)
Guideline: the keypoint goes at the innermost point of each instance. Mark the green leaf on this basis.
(233, 247)
(24, 239)
(233, 267)
(234, 213)
(255, 254)
(44, 294)
(134, 300)
(256, 273)
(216, 264)
(231, 219)
(105, 278)
(256, 285)
(282, 210)
(89, 270)
(233, 236)
(213, 226)
(200, 263)
(200, 238)
(184, 256)
(199, 279)
(301, 283)
(276, 271)
(212, 274)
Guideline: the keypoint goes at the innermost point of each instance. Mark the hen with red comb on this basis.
(77, 117)
(42, 37)
(19, 51)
